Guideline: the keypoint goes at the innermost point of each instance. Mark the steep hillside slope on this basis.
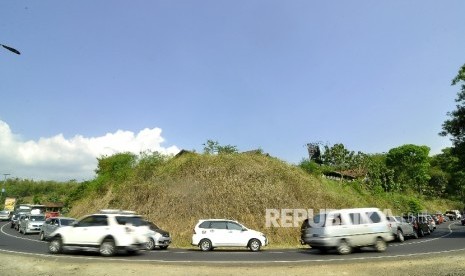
(235, 186)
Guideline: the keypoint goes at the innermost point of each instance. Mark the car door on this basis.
(52, 226)
(237, 235)
(88, 231)
(46, 227)
(218, 233)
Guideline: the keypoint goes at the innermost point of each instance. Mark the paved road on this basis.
(449, 237)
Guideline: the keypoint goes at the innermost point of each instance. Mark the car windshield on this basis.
(37, 218)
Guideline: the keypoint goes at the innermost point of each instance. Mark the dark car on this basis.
(303, 229)
(420, 224)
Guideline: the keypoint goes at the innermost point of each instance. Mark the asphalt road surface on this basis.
(448, 237)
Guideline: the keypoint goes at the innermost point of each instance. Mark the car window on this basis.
(355, 218)
(65, 222)
(374, 217)
(98, 220)
(234, 226)
(205, 225)
(133, 220)
(320, 219)
(336, 219)
(218, 225)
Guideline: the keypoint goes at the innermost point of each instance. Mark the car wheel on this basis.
(41, 236)
(205, 245)
(55, 246)
(163, 247)
(107, 248)
(344, 248)
(400, 236)
(254, 245)
(150, 245)
(380, 245)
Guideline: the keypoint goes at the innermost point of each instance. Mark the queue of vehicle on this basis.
(111, 231)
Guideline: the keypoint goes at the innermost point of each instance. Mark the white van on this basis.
(345, 229)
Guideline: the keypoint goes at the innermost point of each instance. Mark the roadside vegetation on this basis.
(175, 192)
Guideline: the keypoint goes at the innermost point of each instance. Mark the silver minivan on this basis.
(345, 229)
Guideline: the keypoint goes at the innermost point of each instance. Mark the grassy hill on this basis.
(182, 190)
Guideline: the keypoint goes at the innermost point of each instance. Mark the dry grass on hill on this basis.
(236, 186)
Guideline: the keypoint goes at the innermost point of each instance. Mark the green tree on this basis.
(410, 164)
(213, 147)
(337, 157)
(379, 175)
(117, 167)
(455, 125)
(438, 182)
(147, 163)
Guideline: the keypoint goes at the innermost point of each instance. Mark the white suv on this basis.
(212, 233)
(106, 232)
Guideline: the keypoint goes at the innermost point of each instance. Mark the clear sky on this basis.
(98, 77)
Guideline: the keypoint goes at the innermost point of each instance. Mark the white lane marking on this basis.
(22, 238)
(428, 240)
(234, 262)
(238, 262)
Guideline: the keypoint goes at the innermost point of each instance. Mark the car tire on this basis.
(163, 247)
(380, 245)
(55, 246)
(42, 236)
(400, 236)
(205, 245)
(107, 248)
(150, 245)
(254, 245)
(344, 248)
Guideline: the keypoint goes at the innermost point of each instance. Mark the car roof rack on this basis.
(116, 211)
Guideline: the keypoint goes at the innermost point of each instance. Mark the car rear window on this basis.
(37, 218)
(134, 220)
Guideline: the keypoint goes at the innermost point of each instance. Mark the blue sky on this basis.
(97, 77)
